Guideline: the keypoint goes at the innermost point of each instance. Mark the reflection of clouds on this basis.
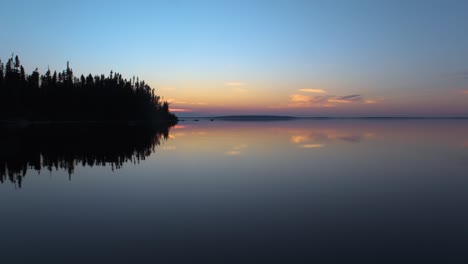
(299, 139)
(236, 150)
(309, 146)
(233, 152)
(351, 138)
(318, 138)
(181, 133)
(177, 135)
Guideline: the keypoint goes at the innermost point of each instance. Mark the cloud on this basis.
(180, 110)
(299, 98)
(173, 101)
(234, 84)
(308, 90)
(354, 98)
(464, 91)
(306, 101)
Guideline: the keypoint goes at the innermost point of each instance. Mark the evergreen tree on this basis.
(64, 97)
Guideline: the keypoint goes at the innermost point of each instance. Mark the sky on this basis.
(301, 58)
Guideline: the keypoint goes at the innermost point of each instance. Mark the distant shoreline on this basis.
(274, 117)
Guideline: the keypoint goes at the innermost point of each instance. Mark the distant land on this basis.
(281, 117)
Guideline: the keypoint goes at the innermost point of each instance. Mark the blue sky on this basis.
(220, 57)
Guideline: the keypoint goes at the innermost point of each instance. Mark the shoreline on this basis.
(22, 123)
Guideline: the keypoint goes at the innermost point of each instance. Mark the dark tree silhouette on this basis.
(64, 97)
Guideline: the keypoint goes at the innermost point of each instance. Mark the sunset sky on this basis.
(302, 58)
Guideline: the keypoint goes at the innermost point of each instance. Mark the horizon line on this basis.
(328, 117)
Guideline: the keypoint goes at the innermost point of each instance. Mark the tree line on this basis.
(63, 96)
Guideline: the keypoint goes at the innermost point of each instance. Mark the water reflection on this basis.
(318, 138)
(252, 138)
(67, 146)
(300, 191)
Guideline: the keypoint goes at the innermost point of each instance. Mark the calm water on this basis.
(244, 192)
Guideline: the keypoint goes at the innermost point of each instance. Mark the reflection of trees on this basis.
(64, 147)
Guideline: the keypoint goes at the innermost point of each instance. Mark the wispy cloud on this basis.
(173, 101)
(180, 110)
(300, 100)
(354, 98)
(464, 91)
(309, 90)
(234, 84)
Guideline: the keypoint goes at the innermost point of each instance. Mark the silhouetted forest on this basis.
(64, 97)
(52, 147)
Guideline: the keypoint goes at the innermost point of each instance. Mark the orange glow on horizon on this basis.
(180, 110)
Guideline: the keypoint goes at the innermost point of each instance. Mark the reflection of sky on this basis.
(254, 188)
(318, 138)
(273, 138)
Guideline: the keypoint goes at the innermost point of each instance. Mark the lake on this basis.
(291, 191)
